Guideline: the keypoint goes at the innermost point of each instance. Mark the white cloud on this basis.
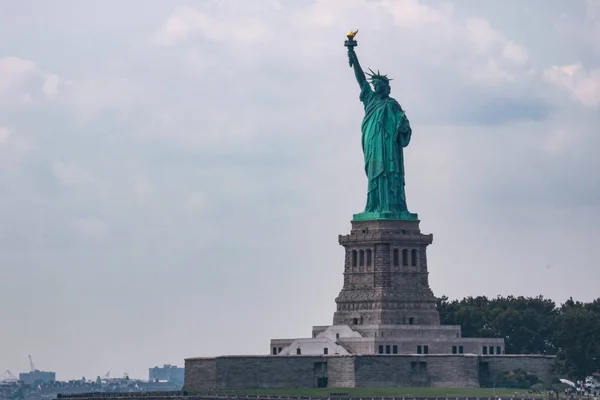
(370, 15)
(514, 53)
(592, 27)
(12, 147)
(234, 28)
(583, 85)
(50, 87)
(481, 35)
(431, 33)
(492, 72)
(13, 71)
(91, 95)
(413, 13)
(70, 174)
(21, 82)
(558, 142)
(90, 228)
(4, 134)
(14, 74)
(499, 55)
(196, 202)
(178, 26)
(142, 190)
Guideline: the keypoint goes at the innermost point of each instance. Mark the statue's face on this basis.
(381, 87)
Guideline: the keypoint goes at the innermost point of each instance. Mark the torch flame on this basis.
(350, 35)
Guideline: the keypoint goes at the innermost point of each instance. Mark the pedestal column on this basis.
(385, 275)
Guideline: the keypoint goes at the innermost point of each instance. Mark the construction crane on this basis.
(106, 375)
(31, 365)
(8, 377)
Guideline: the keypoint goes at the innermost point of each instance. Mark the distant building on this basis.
(37, 377)
(169, 373)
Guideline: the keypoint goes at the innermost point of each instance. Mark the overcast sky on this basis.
(174, 175)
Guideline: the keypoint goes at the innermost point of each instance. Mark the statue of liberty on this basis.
(385, 132)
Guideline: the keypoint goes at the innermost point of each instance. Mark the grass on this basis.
(389, 392)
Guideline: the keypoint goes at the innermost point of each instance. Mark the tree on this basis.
(533, 325)
(578, 340)
(518, 379)
(525, 323)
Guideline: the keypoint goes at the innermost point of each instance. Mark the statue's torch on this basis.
(351, 43)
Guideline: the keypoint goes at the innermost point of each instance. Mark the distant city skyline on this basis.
(175, 174)
(160, 372)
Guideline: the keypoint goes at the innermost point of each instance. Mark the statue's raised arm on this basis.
(353, 59)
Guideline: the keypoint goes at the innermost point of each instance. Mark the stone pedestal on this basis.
(385, 275)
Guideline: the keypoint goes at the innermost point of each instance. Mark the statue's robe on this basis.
(385, 132)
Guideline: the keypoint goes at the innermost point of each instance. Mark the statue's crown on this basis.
(376, 75)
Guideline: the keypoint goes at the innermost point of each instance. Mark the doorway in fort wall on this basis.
(320, 377)
(484, 374)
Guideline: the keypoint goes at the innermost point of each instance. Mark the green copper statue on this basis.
(385, 132)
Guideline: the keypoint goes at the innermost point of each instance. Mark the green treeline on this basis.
(533, 325)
